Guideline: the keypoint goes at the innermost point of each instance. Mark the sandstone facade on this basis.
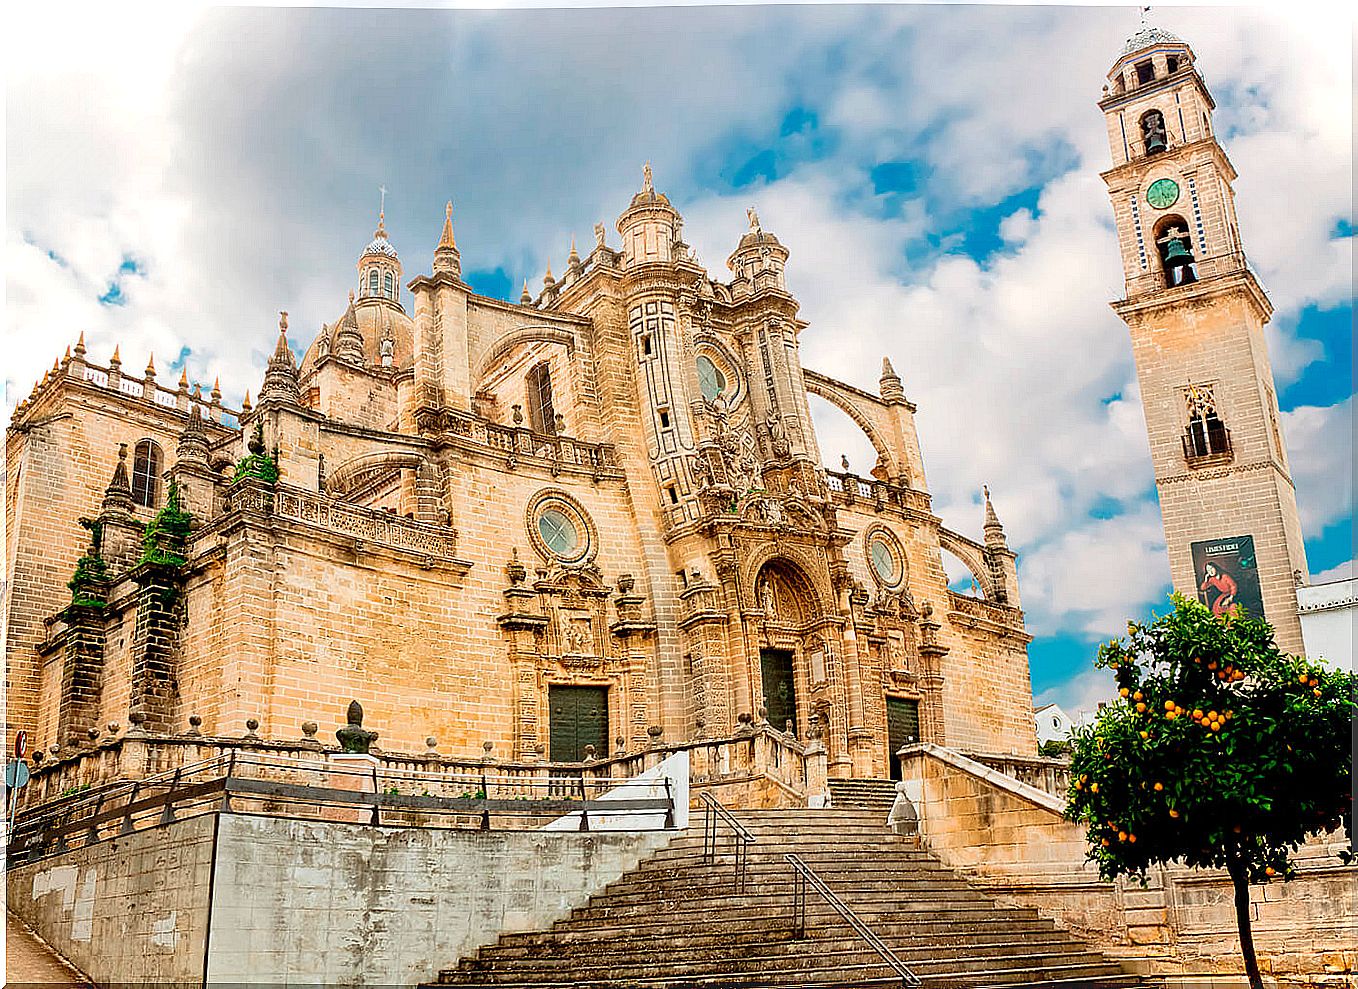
(455, 513)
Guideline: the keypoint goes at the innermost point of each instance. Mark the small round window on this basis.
(710, 379)
(885, 559)
(559, 533)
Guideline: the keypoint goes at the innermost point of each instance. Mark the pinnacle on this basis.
(527, 296)
(887, 370)
(446, 241)
(184, 377)
(151, 366)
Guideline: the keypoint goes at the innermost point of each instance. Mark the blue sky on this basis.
(174, 180)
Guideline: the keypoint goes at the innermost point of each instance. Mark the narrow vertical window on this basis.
(145, 473)
(541, 413)
(388, 286)
(372, 281)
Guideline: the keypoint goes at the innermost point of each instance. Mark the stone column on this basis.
(155, 684)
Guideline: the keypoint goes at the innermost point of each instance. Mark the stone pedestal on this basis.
(356, 773)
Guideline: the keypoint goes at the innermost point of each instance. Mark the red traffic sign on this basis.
(20, 744)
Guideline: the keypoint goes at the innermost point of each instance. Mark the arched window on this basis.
(1153, 133)
(388, 286)
(145, 473)
(373, 283)
(541, 413)
(1176, 251)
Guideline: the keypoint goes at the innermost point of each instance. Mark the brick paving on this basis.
(30, 962)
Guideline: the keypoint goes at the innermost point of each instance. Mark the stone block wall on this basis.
(131, 911)
(1013, 840)
(346, 903)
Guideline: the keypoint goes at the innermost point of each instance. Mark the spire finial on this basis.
(1144, 11)
(753, 217)
(446, 240)
(527, 296)
(381, 206)
(115, 359)
(646, 185)
(282, 321)
(151, 366)
(80, 345)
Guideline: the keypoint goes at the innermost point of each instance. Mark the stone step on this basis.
(674, 905)
(673, 922)
(830, 977)
(678, 921)
(934, 928)
(712, 944)
(791, 956)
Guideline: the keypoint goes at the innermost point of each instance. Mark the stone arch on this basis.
(973, 556)
(340, 482)
(825, 388)
(818, 596)
(522, 335)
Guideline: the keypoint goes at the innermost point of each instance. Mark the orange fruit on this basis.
(1173, 812)
(1301, 678)
(1124, 691)
(1237, 829)
(1105, 843)
(1145, 734)
(1122, 836)
(1211, 715)
(1212, 665)
(1140, 707)
(1170, 716)
(1216, 726)
(1197, 713)
(1132, 838)
(1270, 871)
(1169, 705)
(1136, 696)
(1159, 787)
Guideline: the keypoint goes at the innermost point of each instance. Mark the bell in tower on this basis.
(1153, 132)
(1177, 258)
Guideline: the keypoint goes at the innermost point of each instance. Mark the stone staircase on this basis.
(676, 922)
(864, 794)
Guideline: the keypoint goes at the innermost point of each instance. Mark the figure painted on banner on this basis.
(1220, 589)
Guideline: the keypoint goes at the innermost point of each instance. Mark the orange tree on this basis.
(1221, 752)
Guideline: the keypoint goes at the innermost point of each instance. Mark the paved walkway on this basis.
(29, 962)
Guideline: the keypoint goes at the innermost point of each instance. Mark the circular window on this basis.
(559, 528)
(559, 533)
(885, 556)
(710, 379)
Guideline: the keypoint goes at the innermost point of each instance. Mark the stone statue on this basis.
(353, 737)
(599, 234)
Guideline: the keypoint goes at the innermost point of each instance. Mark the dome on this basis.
(380, 245)
(753, 238)
(1148, 37)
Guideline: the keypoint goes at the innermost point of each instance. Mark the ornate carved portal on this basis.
(559, 634)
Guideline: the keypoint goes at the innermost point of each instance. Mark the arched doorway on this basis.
(791, 615)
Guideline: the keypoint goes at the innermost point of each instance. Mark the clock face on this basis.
(1163, 193)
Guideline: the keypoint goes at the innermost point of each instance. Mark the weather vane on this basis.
(1144, 11)
(382, 206)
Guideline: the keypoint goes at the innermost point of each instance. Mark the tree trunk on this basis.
(1235, 865)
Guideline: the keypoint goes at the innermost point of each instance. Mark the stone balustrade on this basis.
(1049, 775)
(848, 489)
(759, 767)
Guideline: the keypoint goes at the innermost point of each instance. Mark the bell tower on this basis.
(1196, 314)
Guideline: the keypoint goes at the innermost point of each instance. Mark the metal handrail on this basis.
(741, 837)
(803, 877)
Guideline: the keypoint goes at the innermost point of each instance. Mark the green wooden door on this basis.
(902, 728)
(579, 718)
(775, 666)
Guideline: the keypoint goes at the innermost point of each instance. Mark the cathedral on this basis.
(559, 528)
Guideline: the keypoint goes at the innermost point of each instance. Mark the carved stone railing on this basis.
(363, 524)
(1051, 775)
(849, 489)
(759, 761)
(556, 452)
(980, 611)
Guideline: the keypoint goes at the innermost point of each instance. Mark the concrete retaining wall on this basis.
(1013, 840)
(350, 904)
(131, 910)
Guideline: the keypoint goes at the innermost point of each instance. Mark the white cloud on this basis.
(1081, 694)
(1343, 571)
(237, 154)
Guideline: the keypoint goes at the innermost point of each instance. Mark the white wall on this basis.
(334, 903)
(1328, 614)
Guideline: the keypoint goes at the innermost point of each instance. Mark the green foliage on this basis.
(89, 569)
(257, 463)
(1054, 748)
(167, 535)
(1222, 751)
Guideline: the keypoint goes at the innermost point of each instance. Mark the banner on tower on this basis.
(1227, 574)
